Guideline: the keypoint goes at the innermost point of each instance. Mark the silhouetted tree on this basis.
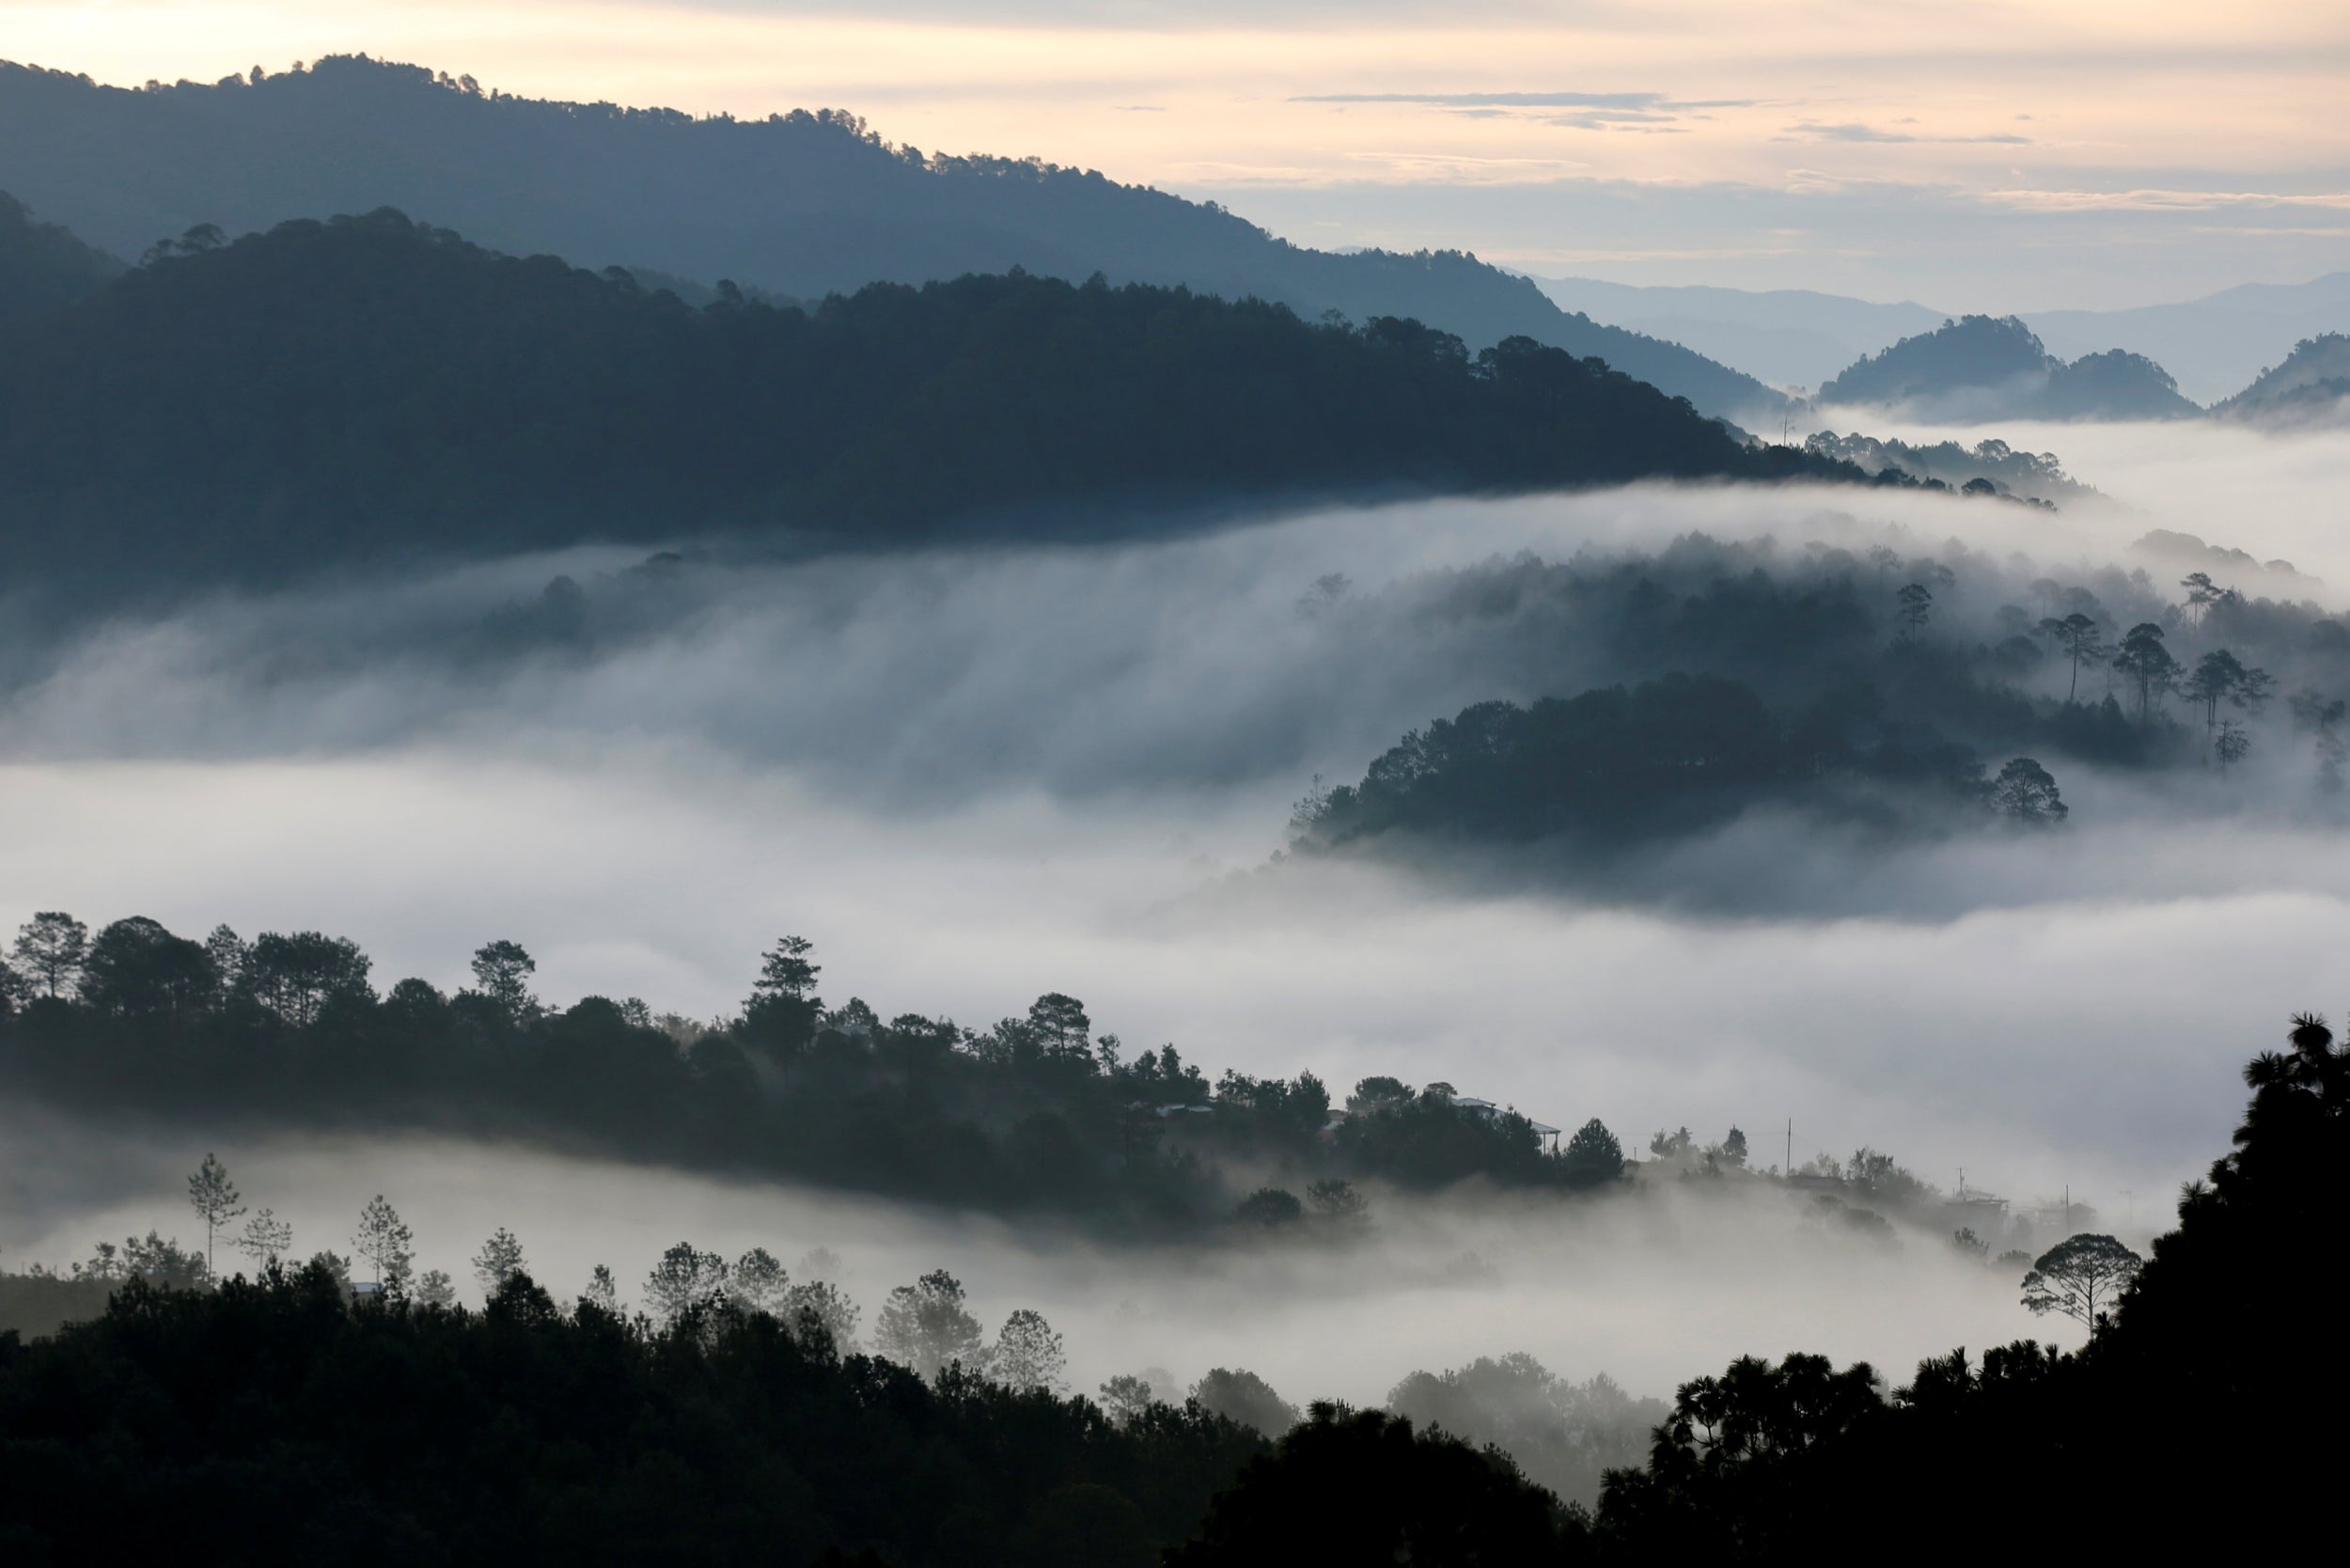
(2077, 636)
(136, 968)
(2144, 661)
(1914, 608)
(50, 951)
(296, 977)
(502, 971)
(818, 1307)
(603, 1291)
(2080, 1277)
(757, 1282)
(1240, 1395)
(1593, 1156)
(2027, 792)
(1029, 1355)
(687, 1280)
(1123, 1399)
(926, 1327)
(386, 1243)
(2220, 676)
(499, 1260)
(265, 1239)
(214, 1198)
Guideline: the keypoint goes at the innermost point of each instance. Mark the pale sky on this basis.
(1969, 155)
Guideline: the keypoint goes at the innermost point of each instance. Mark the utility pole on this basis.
(1789, 1169)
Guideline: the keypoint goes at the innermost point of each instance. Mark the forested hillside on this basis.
(1038, 1114)
(1987, 365)
(2310, 387)
(43, 264)
(800, 204)
(1924, 695)
(370, 387)
(716, 1429)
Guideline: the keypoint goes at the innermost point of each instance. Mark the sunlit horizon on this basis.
(2113, 157)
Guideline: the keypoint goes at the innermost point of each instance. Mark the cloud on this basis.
(1852, 130)
(2154, 200)
(1507, 100)
(1595, 111)
(974, 777)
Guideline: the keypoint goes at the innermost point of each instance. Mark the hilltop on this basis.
(2308, 388)
(43, 264)
(803, 204)
(1997, 365)
(371, 386)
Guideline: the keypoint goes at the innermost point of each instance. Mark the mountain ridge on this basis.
(804, 204)
(368, 387)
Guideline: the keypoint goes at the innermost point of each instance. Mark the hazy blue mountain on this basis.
(801, 204)
(1795, 338)
(2214, 345)
(1990, 366)
(43, 264)
(2308, 388)
(1787, 336)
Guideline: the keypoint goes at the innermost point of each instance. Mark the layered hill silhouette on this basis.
(803, 205)
(43, 264)
(1989, 364)
(335, 391)
(2310, 387)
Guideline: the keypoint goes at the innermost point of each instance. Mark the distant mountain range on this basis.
(2214, 345)
(1787, 336)
(802, 205)
(1991, 367)
(1791, 338)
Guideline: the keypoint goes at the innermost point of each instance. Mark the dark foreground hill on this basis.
(800, 204)
(370, 387)
(1985, 365)
(2197, 1424)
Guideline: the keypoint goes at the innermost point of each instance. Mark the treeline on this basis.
(1901, 694)
(2000, 358)
(1037, 1112)
(1669, 756)
(42, 265)
(369, 387)
(398, 1430)
(807, 203)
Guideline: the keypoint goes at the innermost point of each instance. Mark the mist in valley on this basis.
(975, 777)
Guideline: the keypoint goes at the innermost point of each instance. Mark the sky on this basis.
(2000, 156)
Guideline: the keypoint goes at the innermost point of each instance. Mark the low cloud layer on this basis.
(973, 779)
(1651, 1290)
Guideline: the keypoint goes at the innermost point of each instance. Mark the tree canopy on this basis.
(371, 388)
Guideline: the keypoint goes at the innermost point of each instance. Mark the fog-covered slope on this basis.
(2308, 388)
(804, 204)
(2216, 344)
(1980, 366)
